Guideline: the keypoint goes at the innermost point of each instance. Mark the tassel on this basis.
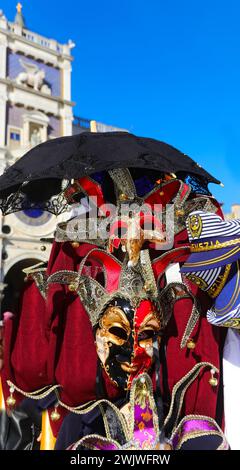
(47, 438)
(2, 401)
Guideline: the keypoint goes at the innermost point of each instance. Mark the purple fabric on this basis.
(144, 432)
(101, 445)
(193, 425)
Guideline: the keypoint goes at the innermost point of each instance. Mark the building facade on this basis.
(235, 212)
(35, 105)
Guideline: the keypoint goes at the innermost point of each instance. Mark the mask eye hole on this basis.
(118, 332)
(146, 335)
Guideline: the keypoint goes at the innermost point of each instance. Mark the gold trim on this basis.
(89, 406)
(219, 258)
(195, 225)
(234, 295)
(105, 422)
(37, 394)
(194, 371)
(232, 323)
(214, 290)
(193, 434)
(99, 438)
(209, 246)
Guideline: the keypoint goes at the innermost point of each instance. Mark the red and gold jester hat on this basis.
(148, 218)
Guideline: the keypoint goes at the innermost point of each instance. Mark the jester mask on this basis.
(125, 339)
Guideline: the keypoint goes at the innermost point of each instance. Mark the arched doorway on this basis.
(14, 281)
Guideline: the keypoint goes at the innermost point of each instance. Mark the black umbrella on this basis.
(36, 179)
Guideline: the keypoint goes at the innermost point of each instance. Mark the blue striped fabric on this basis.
(209, 276)
(213, 226)
(220, 320)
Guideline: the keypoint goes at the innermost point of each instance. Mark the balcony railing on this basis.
(41, 40)
(81, 122)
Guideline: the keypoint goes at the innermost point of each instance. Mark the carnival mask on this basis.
(125, 339)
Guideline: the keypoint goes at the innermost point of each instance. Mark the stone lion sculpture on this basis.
(33, 76)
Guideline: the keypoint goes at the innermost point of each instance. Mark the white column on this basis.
(3, 105)
(25, 135)
(3, 88)
(66, 79)
(67, 117)
(3, 55)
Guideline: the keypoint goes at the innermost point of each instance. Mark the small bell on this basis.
(11, 401)
(180, 212)
(72, 287)
(161, 193)
(123, 197)
(43, 248)
(147, 286)
(75, 244)
(213, 381)
(191, 344)
(144, 391)
(55, 416)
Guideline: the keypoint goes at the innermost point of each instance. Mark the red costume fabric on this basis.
(25, 343)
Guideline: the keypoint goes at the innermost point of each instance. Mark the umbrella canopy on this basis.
(38, 175)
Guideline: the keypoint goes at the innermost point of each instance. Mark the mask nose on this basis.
(123, 358)
(125, 354)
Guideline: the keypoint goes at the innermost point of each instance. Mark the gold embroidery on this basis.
(195, 225)
(142, 384)
(233, 323)
(197, 280)
(214, 260)
(218, 285)
(234, 296)
(208, 246)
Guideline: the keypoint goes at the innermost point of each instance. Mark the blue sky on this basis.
(164, 69)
